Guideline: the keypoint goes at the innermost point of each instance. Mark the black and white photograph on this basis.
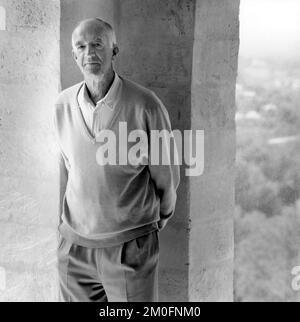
(150, 152)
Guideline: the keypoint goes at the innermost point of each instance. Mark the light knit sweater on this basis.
(106, 205)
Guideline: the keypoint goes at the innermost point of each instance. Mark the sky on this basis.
(270, 28)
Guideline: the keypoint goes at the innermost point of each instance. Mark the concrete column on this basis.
(29, 82)
(216, 43)
(186, 51)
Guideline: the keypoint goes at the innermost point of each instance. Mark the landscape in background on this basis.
(267, 216)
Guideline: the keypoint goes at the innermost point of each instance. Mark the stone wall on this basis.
(29, 82)
(215, 56)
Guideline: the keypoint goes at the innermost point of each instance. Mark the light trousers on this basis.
(123, 273)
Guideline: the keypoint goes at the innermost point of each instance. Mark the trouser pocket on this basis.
(138, 252)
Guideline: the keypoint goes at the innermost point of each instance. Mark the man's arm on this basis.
(166, 177)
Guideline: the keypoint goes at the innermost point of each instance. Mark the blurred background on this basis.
(267, 216)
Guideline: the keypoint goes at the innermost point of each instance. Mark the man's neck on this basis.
(99, 86)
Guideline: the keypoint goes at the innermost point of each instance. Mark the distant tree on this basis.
(267, 185)
(266, 250)
(254, 191)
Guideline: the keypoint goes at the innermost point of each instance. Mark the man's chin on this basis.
(93, 70)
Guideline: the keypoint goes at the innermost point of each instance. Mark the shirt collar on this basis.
(109, 99)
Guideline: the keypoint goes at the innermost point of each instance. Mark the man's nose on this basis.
(90, 49)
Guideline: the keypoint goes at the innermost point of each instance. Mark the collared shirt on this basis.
(98, 117)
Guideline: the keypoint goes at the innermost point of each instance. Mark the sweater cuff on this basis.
(167, 215)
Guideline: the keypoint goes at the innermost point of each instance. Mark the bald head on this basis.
(98, 26)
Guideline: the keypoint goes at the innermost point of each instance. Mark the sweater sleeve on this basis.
(162, 153)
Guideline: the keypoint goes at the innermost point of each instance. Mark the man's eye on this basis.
(99, 45)
(80, 47)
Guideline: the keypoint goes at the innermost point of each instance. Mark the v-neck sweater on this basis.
(106, 205)
(97, 116)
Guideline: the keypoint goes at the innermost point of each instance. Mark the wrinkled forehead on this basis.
(87, 31)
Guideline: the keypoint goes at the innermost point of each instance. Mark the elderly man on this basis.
(110, 213)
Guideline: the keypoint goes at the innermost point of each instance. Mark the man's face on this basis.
(92, 49)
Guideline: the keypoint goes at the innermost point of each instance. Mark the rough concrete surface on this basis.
(29, 82)
(213, 107)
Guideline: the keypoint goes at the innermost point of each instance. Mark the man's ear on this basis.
(115, 50)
